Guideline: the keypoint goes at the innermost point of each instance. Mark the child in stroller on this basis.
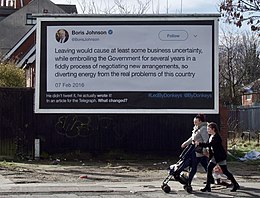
(180, 170)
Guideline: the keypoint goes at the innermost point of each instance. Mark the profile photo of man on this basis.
(62, 36)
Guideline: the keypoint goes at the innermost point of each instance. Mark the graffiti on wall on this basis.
(75, 126)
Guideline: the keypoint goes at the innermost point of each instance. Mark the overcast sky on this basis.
(174, 6)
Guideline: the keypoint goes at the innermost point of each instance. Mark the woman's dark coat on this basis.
(216, 148)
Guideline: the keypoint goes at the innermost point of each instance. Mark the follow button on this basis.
(173, 35)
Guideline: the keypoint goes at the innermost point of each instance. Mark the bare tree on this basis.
(155, 7)
(88, 6)
(239, 64)
(124, 8)
(117, 7)
(229, 79)
(239, 11)
(251, 57)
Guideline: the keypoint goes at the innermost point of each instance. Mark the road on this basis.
(122, 179)
(108, 189)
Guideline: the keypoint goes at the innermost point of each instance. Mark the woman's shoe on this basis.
(206, 189)
(235, 187)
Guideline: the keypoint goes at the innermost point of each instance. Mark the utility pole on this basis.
(181, 6)
(167, 6)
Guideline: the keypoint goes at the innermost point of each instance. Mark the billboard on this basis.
(120, 64)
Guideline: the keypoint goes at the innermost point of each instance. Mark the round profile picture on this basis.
(62, 36)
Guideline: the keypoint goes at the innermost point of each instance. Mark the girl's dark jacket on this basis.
(216, 148)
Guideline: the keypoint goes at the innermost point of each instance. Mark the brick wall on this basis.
(223, 125)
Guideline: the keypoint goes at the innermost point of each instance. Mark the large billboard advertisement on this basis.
(127, 65)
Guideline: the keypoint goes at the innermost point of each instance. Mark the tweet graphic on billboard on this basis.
(137, 66)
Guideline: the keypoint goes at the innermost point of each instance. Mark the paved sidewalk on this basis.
(119, 189)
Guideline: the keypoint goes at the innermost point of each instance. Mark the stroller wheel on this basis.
(166, 188)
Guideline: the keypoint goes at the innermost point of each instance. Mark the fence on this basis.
(94, 133)
(16, 121)
(244, 121)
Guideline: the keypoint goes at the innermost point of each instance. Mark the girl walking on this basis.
(217, 155)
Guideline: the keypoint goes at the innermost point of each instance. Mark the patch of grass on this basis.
(5, 164)
(239, 147)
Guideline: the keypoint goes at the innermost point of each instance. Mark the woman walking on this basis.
(199, 134)
(217, 155)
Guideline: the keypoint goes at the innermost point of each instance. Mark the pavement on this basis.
(119, 189)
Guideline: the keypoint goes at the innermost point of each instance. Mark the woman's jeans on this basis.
(194, 165)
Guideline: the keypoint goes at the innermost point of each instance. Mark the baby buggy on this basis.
(179, 171)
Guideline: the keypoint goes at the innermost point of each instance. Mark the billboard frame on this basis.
(120, 18)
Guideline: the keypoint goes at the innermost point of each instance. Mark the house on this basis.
(18, 30)
(6, 11)
(251, 94)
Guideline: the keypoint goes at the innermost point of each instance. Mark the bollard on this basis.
(37, 149)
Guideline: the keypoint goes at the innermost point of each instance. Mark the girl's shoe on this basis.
(206, 189)
(235, 187)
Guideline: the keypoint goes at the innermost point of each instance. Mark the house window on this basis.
(30, 20)
(248, 97)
